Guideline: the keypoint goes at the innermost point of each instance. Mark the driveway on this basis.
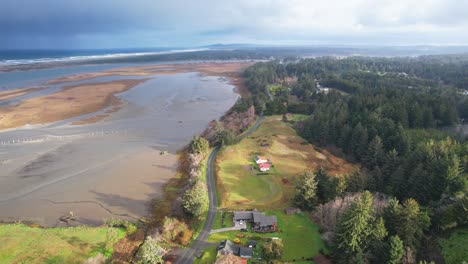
(200, 243)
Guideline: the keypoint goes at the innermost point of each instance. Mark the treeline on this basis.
(385, 114)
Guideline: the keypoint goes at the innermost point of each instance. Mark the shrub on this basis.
(273, 250)
(150, 252)
(199, 145)
(195, 199)
(130, 227)
(175, 231)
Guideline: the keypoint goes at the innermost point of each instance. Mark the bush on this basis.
(175, 231)
(273, 250)
(195, 199)
(150, 252)
(130, 227)
(199, 145)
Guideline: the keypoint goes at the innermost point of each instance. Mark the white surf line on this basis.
(43, 185)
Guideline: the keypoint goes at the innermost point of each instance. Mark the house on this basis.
(260, 222)
(230, 259)
(227, 247)
(245, 252)
(264, 167)
(292, 210)
(260, 159)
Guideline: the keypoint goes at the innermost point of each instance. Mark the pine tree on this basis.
(395, 251)
(356, 227)
(375, 153)
(306, 191)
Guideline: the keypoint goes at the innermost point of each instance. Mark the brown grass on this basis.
(240, 188)
(125, 249)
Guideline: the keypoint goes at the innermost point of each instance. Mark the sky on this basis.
(96, 24)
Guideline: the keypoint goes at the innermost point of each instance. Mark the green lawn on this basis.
(218, 223)
(298, 118)
(208, 257)
(24, 244)
(454, 248)
(301, 237)
(239, 187)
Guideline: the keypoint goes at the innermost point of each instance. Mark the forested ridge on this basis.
(387, 114)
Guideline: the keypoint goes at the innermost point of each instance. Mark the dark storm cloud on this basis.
(124, 23)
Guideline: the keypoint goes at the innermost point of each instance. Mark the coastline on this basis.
(159, 177)
(72, 101)
(81, 99)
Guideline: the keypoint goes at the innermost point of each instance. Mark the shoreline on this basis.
(66, 103)
(14, 93)
(58, 152)
(71, 101)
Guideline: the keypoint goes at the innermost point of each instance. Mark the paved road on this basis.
(200, 243)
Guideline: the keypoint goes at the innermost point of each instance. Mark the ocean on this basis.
(24, 57)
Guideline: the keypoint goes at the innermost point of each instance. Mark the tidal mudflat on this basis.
(113, 166)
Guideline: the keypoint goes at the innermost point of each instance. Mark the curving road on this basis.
(200, 243)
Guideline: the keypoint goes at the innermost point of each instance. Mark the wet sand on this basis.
(10, 94)
(210, 68)
(71, 102)
(113, 167)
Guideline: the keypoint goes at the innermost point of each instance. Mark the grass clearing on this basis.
(242, 187)
(454, 248)
(208, 257)
(301, 237)
(23, 244)
(222, 223)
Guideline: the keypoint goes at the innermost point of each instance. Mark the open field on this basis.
(301, 237)
(71, 102)
(240, 186)
(24, 244)
(454, 247)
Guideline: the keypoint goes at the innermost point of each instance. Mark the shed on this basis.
(245, 252)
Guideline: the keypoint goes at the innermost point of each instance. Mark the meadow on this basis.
(240, 184)
(25, 244)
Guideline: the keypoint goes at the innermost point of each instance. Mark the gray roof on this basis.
(242, 215)
(256, 217)
(252, 243)
(264, 220)
(245, 252)
(227, 247)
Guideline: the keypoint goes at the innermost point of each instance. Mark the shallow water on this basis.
(45, 164)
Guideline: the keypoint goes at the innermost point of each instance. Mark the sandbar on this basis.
(11, 94)
(72, 101)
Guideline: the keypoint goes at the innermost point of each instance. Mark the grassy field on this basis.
(301, 237)
(454, 248)
(208, 257)
(240, 184)
(24, 244)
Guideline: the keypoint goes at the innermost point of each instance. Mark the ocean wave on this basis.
(90, 57)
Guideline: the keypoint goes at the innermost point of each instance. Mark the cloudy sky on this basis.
(157, 23)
